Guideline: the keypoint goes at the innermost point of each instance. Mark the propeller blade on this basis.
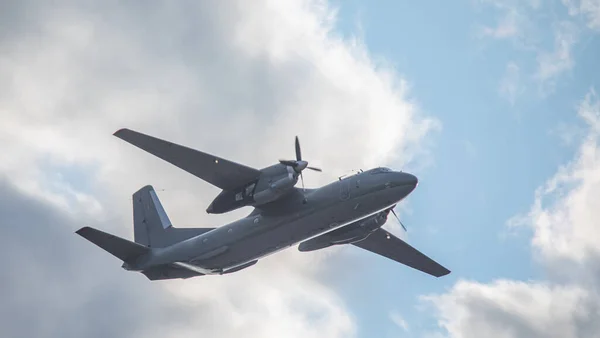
(298, 153)
(302, 179)
(403, 227)
(315, 169)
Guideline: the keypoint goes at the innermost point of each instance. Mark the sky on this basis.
(493, 104)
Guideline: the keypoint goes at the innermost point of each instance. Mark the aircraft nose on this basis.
(406, 179)
(411, 179)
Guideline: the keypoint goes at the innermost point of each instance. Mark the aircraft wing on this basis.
(217, 171)
(396, 249)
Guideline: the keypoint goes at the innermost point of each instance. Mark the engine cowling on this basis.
(351, 233)
(275, 190)
(275, 182)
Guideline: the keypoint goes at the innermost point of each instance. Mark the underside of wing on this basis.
(283, 205)
(385, 244)
(196, 268)
(217, 171)
(169, 272)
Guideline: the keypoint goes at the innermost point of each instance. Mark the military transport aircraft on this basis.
(350, 210)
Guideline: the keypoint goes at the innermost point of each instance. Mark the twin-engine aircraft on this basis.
(350, 210)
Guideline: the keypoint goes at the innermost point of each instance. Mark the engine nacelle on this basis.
(275, 182)
(275, 190)
(351, 233)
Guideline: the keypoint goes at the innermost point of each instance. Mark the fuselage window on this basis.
(238, 196)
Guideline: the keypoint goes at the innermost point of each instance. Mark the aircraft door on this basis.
(345, 189)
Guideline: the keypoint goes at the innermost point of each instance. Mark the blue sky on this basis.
(490, 155)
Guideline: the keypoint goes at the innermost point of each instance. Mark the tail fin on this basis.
(151, 225)
(117, 246)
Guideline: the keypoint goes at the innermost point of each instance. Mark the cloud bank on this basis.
(547, 35)
(566, 241)
(231, 78)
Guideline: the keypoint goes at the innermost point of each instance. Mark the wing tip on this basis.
(82, 231)
(443, 273)
(120, 132)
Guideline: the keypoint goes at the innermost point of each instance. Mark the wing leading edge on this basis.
(396, 249)
(217, 171)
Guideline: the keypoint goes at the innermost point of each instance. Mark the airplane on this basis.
(350, 210)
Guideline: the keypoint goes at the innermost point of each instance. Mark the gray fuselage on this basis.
(288, 221)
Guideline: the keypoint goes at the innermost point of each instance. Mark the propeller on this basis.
(299, 165)
(403, 227)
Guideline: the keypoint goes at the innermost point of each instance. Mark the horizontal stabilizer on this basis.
(121, 248)
(385, 244)
(217, 171)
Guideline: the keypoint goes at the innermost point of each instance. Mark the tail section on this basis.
(150, 220)
(117, 246)
(151, 225)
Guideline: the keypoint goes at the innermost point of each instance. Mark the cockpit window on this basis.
(380, 170)
(349, 174)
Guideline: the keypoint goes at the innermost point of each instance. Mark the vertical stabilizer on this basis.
(149, 217)
(151, 225)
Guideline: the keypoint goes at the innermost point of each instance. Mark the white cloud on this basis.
(514, 21)
(531, 25)
(566, 239)
(507, 27)
(511, 24)
(179, 81)
(552, 64)
(234, 78)
(564, 211)
(506, 309)
(510, 86)
(398, 320)
(589, 9)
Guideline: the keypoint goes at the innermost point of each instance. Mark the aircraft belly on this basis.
(260, 244)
